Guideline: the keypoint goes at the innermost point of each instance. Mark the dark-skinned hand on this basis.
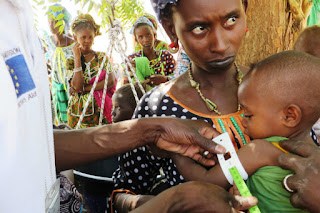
(306, 165)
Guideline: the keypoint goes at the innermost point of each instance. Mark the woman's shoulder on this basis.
(165, 52)
(161, 45)
(135, 54)
(101, 55)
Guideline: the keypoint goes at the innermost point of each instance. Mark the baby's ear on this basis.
(292, 115)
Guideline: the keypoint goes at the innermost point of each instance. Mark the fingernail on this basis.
(220, 149)
(252, 200)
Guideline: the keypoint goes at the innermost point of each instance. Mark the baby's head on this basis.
(124, 102)
(280, 95)
(309, 41)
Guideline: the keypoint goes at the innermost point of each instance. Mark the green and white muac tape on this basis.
(232, 167)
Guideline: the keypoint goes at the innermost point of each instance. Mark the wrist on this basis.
(152, 129)
(180, 201)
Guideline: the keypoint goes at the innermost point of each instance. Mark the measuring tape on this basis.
(232, 167)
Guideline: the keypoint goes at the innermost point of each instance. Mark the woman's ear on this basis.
(292, 115)
(168, 26)
(155, 35)
(75, 38)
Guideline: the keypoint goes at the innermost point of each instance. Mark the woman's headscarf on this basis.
(83, 18)
(153, 20)
(161, 4)
(56, 9)
(141, 20)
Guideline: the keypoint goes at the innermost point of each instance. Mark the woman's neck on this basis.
(150, 54)
(86, 52)
(214, 79)
(60, 40)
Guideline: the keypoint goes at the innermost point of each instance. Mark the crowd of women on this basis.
(205, 87)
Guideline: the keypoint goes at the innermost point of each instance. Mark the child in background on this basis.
(156, 65)
(158, 44)
(309, 42)
(124, 102)
(83, 69)
(280, 97)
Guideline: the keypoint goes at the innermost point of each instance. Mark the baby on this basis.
(124, 102)
(280, 97)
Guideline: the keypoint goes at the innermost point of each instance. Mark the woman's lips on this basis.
(220, 63)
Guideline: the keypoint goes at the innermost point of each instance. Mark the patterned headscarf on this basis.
(83, 18)
(153, 20)
(141, 20)
(161, 4)
(61, 10)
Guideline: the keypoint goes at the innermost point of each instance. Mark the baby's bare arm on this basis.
(253, 156)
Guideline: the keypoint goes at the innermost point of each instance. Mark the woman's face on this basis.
(85, 38)
(52, 22)
(145, 36)
(210, 31)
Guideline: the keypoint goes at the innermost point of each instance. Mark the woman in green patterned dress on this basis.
(83, 70)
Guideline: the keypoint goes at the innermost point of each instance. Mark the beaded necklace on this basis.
(210, 104)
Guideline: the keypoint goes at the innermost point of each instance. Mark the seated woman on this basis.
(151, 64)
(210, 33)
(207, 91)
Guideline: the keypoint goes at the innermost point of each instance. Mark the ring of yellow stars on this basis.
(15, 77)
(17, 84)
(12, 71)
(17, 91)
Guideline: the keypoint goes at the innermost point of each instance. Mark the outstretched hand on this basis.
(189, 138)
(197, 197)
(306, 165)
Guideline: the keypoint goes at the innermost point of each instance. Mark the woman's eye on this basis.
(231, 21)
(198, 30)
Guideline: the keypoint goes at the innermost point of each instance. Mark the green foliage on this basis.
(125, 10)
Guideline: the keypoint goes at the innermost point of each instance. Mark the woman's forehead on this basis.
(207, 8)
(143, 28)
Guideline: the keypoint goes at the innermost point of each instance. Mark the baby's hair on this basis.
(309, 41)
(125, 93)
(84, 25)
(289, 77)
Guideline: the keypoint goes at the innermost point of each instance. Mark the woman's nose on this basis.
(218, 40)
